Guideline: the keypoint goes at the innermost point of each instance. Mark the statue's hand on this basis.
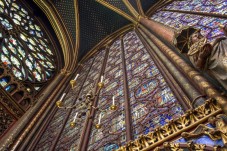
(206, 51)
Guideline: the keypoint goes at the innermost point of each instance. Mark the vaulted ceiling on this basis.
(96, 21)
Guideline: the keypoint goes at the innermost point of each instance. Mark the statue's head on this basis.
(195, 37)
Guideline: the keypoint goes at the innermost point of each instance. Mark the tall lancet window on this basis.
(25, 48)
(114, 132)
(133, 82)
(152, 101)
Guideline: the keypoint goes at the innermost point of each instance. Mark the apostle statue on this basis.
(209, 57)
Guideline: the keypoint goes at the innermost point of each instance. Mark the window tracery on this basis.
(113, 122)
(152, 102)
(25, 48)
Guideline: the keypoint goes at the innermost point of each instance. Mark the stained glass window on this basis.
(70, 137)
(113, 123)
(208, 6)
(152, 101)
(209, 25)
(56, 122)
(4, 81)
(24, 48)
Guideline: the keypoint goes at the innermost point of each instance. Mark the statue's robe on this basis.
(216, 63)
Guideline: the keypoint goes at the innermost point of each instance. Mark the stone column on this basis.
(23, 126)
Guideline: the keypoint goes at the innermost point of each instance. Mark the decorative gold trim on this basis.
(131, 8)
(158, 6)
(182, 146)
(140, 8)
(155, 6)
(60, 30)
(77, 19)
(174, 128)
(117, 10)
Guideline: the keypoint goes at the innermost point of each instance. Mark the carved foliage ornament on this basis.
(173, 128)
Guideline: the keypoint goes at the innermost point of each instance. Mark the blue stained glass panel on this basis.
(111, 147)
(209, 6)
(70, 137)
(112, 132)
(4, 81)
(152, 101)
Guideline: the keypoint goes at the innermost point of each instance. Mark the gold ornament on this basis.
(73, 83)
(59, 103)
(98, 126)
(72, 124)
(100, 85)
(113, 107)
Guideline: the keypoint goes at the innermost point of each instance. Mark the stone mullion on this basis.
(198, 81)
(178, 93)
(37, 138)
(41, 125)
(185, 84)
(86, 127)
(93, 111)
(128, 117)
(70, 111)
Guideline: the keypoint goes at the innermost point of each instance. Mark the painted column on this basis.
(189, 72)
(160, 30)
(167, 74)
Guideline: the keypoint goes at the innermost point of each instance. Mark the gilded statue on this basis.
(209, 57)
(218, 131)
